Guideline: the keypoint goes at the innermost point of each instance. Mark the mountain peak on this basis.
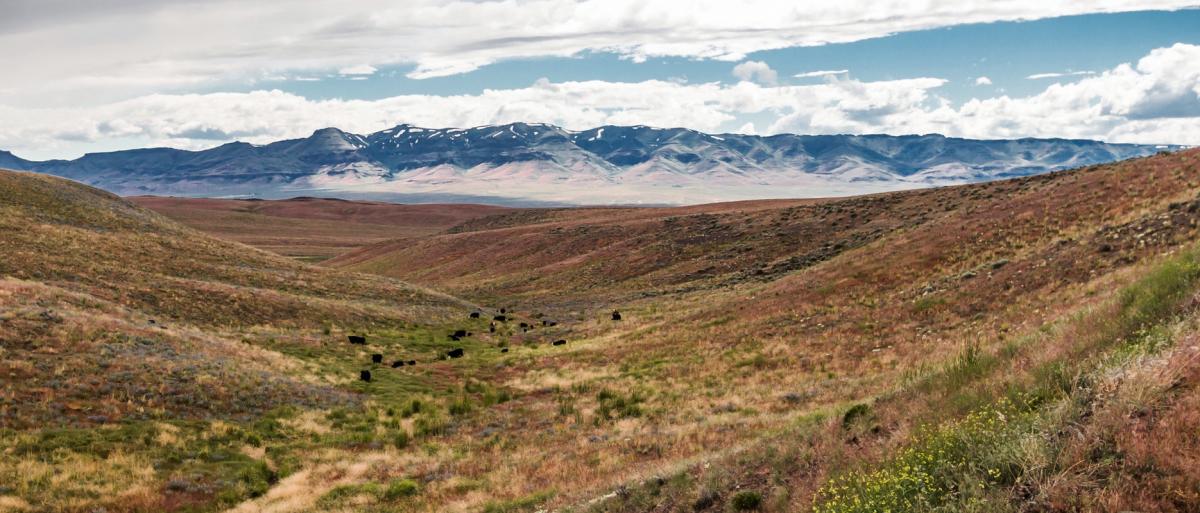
(538, 161)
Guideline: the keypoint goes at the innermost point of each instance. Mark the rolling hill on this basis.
(536, 164)
(1017, 345)
(312, 229)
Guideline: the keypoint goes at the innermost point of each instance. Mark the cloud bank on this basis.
(106, 50)
(1154, 100)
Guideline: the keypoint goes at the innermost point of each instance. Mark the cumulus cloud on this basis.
(756, 71)
(1154, 100)
(982, 81)
(91, 52)
(822, 73)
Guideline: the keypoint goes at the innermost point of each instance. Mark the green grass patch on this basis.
(527, 503)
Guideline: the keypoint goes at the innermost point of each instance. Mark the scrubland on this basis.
(1024, 345)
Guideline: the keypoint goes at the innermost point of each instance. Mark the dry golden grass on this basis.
(312, 229)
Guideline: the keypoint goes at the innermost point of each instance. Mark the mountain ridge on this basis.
(533, 162)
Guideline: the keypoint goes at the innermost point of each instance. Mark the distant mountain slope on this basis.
(526, 163)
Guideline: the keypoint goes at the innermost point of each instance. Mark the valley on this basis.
(312, 229)
(778, 355)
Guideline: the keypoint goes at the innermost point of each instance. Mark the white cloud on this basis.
(361, 69)
(1155, 100)
(756, 71)
(822, 73)
(1039, 76)
(95, 52)
(982, 81)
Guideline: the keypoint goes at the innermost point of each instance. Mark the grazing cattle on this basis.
(151, 321)
(524, 325)
(560, 342)
(460, 333)
(500, 318)
(376, 358)
(454, 337)
(474, 315)
(616, 315)
(412, 362)
(357, 339)
(397, 363)
(549, 323)
(503, 349)
(492, 328)
(365, 375)
(455, 353)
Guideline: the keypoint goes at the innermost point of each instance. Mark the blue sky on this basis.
(114, 74)
(1006, 52)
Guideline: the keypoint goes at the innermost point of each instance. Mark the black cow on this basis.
(365, 375)
(376, 358)
(460, 333)
(524, 325)
(616, 315)
(560, 342)
(474, 315)
(502, 310)
(503, 349)
(455, 353)
(454, 338)
(357, 339)
(397, 363)
(500, 318)
(492, 328)
(412, 362)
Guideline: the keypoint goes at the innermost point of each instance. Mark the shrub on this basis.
(746, 501)
(400, 489)
(460, 406)
(855, 412)
(400, 439)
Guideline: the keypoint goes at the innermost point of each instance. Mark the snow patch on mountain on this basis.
(544, 163)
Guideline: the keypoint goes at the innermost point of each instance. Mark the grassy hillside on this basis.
(66, 234)
(149, 367)
(1013, 346)
(772, 317)
(312, 229)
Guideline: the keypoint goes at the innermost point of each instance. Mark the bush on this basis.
(400, 489)
(854, 413)
(400, 439)
(746, 501)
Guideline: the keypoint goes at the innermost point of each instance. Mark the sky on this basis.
(100, 75)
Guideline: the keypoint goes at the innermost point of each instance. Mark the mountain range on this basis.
(523, 163)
